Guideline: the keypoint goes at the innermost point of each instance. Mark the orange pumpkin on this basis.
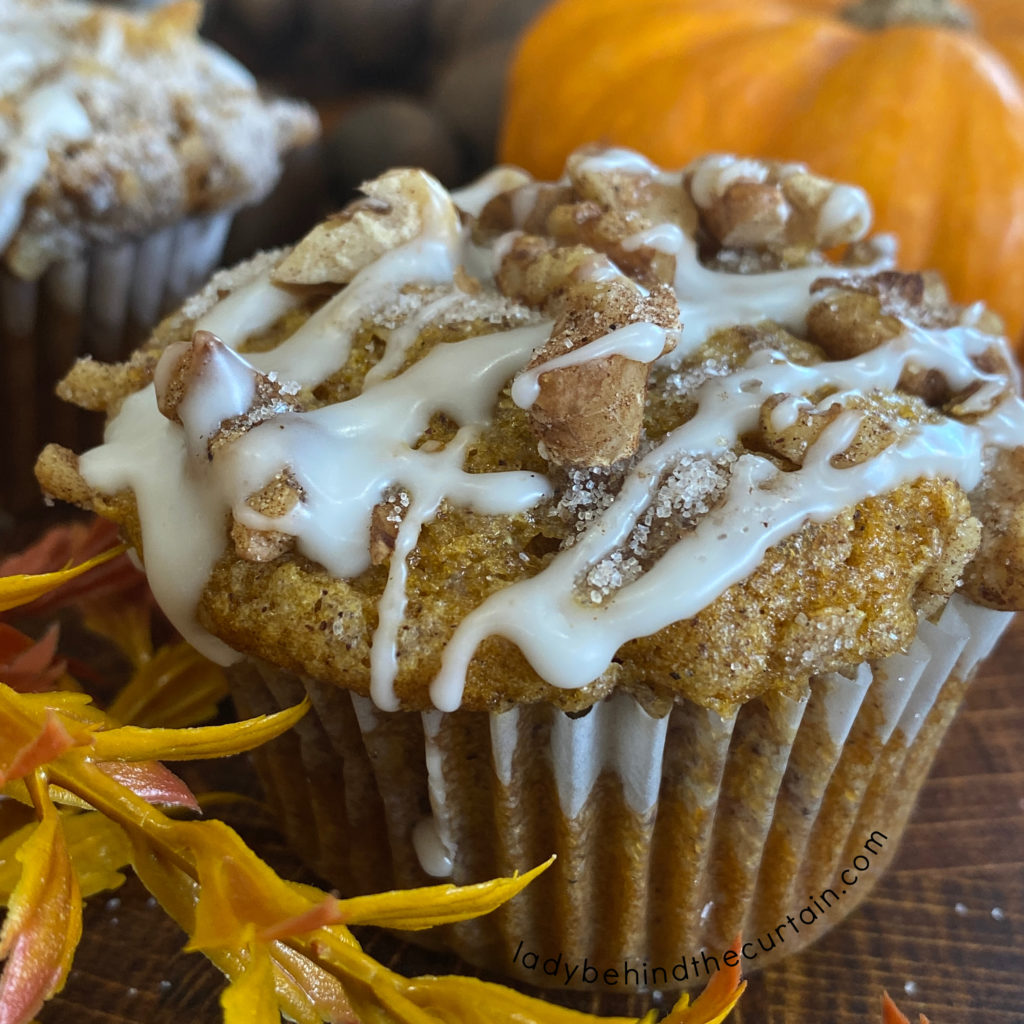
(927, 116)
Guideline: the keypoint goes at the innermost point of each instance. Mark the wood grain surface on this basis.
(943, 930)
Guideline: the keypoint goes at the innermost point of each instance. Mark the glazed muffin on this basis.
(603, 518)
(127, 143)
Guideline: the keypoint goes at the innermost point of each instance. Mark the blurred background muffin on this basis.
(128, 144)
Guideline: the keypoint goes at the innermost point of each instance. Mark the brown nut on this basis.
(396, 208)
(184, 364)
(775, 206)
(591, 413)
(259, 545)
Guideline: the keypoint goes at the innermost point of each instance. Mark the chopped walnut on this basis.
(776, 206)
(183, 364)
(383, 533)
(274, 500)
(101, 387)
(858, 313)
(849, 323)
(58, 474)
(160, 28)
(525, 207)
(537, 273)
(591, 413)
(789, 425)
(603, 207)
(395, 209)
(259, 545)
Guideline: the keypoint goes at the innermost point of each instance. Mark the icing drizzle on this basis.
(348, 457)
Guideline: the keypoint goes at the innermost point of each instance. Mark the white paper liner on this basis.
(672, 834)
(102, 303)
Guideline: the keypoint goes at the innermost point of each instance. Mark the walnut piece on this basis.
(789, 425)
(185, 363)
(604, 207)
(396, 208)
(101, 387)
(772, 205)
(274, 500)
(591, 413)
(383, 532)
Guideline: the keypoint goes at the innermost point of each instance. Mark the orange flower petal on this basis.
(51, 741)
(891, 1013)
(26, 665)
(716, 1002)
(43, 924)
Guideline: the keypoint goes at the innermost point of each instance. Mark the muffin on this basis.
(127, 143)
(602, 518)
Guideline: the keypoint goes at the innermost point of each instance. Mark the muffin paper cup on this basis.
(102, 303)
(674, 835)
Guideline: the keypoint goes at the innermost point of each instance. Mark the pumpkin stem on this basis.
(877, 14)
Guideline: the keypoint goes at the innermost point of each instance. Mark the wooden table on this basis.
(943, 930)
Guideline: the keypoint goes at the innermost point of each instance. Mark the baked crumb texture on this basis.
(545, 441)
(115, 123)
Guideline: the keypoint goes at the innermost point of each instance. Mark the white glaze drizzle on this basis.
(472, 198)
(710, 300)
(347, 457)
(763, 506)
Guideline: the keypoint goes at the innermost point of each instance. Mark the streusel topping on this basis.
(534, 441)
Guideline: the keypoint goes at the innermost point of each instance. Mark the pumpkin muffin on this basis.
(127, 144)
(602, 518)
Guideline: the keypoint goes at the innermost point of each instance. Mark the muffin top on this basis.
(115, 123)
(539, 441)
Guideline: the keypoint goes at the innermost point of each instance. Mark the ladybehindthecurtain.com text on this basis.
(643, 975)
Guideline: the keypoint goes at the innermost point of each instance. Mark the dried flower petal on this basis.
(126, 624)
(135, 743)
(22, 588)
(892, 1015)
(44, 921)
(715, 1003)
(416, 909)
(239, 893)
(472, 1001)
(251, 997)
(153, 782)
(51, 740)
(174, 688)
(71, 544)
(28, 665)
